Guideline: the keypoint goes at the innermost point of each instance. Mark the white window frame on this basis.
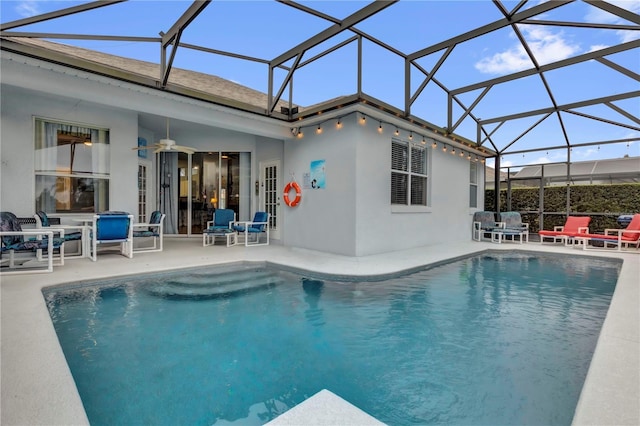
(406, 169)
(473, 184)
(97, 138)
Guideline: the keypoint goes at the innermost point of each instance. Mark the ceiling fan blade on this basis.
(184, 149)
(139, 148)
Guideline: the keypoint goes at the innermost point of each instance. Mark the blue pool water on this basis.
(496, 339)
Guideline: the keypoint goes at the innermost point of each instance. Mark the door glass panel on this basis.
(271, 195)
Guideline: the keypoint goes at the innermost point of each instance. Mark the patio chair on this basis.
(574, 226)
(220, 227)
(153, 230)
(510, 228)
(251, 231)
(614, 238)
(483, 224)
(77, 233)
(112, 228)
(15, 239)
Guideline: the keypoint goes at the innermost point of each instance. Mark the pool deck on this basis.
(37, 387)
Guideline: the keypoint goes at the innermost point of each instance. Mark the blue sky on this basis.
(264, 29)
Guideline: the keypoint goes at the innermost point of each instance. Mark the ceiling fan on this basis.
(167, 145)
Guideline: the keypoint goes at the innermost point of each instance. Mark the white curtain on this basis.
(168, 190)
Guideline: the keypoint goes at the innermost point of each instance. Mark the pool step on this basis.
(203, 286)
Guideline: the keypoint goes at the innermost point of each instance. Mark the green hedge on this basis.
(602, 202)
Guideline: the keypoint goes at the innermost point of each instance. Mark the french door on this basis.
(270, 194)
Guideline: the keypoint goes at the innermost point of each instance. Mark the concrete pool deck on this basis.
(37, 387)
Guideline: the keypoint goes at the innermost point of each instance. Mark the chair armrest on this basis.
(583, 230)
(209, 223)
(501, 225)
(476, 225)
(558, 228)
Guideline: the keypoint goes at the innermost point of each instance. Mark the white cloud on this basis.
(27, 8)
(603, 17)
(546, 47)
(597, 47)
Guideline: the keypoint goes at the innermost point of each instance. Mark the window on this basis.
(408, 174)
(473, 186)
(71, 168)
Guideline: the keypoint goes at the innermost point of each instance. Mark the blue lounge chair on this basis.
(251, 231)
(70, 233)
(220, 227)
(510, 228)
(112, 228)
(15, 239)
(483, 223)
(153, 230)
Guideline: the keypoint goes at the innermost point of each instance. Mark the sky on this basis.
(264, 29)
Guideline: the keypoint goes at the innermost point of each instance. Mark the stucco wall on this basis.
(20, 106)
(353, 214)
(325, 218)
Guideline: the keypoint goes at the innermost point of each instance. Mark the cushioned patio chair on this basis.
(573, 226)
(153, 230)
(77, 233)
(253, 230)
(112, 228)
(15, 239)
(483, 224)
(614, 238)
(220, 227)
(510, 228)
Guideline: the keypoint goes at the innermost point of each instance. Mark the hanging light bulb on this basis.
(319, 129)
(300, 134)
(397, 131)
(444, 148)
(410, 136)
(469, 157)
(363, 119)
(380, 129)
(424, 141)
(476, 158)
(453, 151)
(434, 144)
(461, 153)
(339, 124)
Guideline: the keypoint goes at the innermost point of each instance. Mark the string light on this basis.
(298, 132)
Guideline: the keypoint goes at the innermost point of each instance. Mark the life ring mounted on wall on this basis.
(289, 202)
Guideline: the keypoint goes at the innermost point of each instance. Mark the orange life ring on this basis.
(295, 201)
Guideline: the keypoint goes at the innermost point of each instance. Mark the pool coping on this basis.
(37, 386)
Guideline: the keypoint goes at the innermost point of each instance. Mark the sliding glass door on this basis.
(209, 181)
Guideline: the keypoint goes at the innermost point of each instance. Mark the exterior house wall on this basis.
(20, 106)
(325, 218)
(352, 215)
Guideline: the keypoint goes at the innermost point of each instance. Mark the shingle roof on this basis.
(230, 93)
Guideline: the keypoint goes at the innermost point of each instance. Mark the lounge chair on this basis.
(251, 231)
(510, 228)
(483, 224)
(153, 230)
(614, 238)
(573, 227)
(15, 239)
(220, 227)
(112, 228)
(77, 233)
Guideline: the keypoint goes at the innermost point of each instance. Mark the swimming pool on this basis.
(499, 338)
